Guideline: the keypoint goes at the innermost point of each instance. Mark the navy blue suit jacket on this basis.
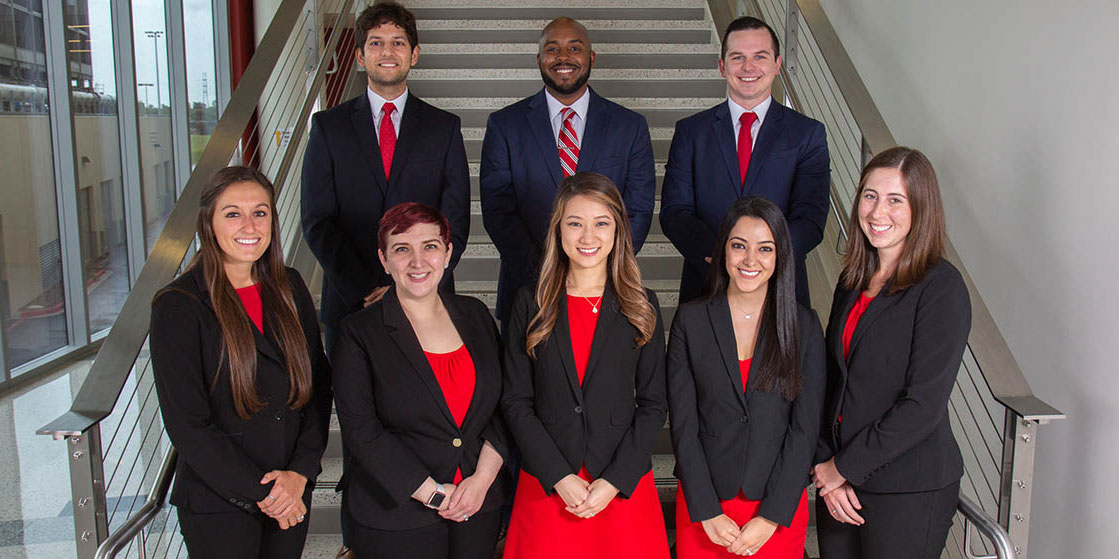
(789, 166)
(345, 193)
(521, 172)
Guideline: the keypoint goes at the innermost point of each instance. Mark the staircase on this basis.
(657, 57)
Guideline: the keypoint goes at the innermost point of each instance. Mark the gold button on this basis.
(456, 442)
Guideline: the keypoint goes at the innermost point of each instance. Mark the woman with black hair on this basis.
(746, 381)
(243, 384)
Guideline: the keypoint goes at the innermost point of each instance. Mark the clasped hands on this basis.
(723, 531)
(585, 499)
(285, 502)
(838, 494)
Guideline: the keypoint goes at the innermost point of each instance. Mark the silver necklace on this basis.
(594, 306)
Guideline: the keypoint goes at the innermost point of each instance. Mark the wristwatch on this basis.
(436, 498)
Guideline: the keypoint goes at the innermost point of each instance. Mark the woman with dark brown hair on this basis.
(242, 381)
(888, 471)
(585, 389)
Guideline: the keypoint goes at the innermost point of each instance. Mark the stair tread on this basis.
(533, 74)
(592, 25)
(633, 103)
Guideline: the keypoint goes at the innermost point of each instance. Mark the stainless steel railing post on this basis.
(87, 486)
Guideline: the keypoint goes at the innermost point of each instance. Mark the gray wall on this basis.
(1018, 108)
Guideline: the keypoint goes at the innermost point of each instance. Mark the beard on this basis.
(575, 86)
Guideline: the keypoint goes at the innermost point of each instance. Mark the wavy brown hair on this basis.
(622, 272)
(924, 245)
(270, 275)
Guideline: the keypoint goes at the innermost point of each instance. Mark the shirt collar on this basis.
(580, 105)
(760, 109)
(376, 101)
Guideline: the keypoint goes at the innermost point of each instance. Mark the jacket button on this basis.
(233, 500)
(456, 442)
(578, 409)
(279, 416)
(743, 419)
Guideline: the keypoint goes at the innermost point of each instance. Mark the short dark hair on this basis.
(778, 366)
(403, 216)
(746, 23)
(381, 13)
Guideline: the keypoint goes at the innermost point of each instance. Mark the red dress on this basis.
(541, 528)
(250, 299)
(785, 543)
(456, 376)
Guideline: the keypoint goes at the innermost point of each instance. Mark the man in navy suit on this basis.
(372, 152)
(531, 145)
(749, 146)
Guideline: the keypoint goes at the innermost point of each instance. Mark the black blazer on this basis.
(893, 389)
(394, 418)
(608, 424)
(221, 456)
(728, 440)
(345, 193)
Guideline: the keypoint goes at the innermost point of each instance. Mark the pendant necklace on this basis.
(594, 306)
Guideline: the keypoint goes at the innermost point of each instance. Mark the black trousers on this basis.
(474, 539)
(239, 535)
(909, 525)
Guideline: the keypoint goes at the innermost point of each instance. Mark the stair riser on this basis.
(552, 12)
(657, 118)
(485, 36)
(686, 88)
(527, 60)
(478, 228)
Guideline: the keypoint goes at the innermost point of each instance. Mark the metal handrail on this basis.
(988, 527)
(157, 498)
(110, 369)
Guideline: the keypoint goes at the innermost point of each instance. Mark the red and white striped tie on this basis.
(568, 147)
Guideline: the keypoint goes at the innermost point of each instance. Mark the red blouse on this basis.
(456, 376)
(744, 370)
(853, 321)
(582, 319)
(250, 298)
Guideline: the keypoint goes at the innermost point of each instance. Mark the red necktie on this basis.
(387, 138)
(745, 145)
(568, 149)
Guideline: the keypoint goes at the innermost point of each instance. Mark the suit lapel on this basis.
(362, 119)
(597, 122)
(724, 138)
(609, 318)
(402, 333)
(561, 336)
(718, 310)
(266, 343)
(541, 126)
(838, 322)
(480, 353)
(767, 136)
(407, 136)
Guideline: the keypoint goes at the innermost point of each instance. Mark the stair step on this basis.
(608, 55)
(670, 11)
(609, 83)
(528, 30)
(658, 112)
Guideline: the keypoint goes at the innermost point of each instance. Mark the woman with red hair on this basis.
(418, 377)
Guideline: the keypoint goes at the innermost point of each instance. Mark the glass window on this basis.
(198, 17)
(32, 300)
(97, 141)
(149, 34)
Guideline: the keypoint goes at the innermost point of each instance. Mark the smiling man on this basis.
(532, 145)
(749, 146)
(379, 149)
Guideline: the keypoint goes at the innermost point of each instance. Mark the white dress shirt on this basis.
(578, 122)
(736, 112)
(376, 103)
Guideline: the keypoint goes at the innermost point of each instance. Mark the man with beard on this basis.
(368, 154)
(533, 144)
(379, 149)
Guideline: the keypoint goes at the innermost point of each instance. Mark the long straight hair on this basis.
(270, 275)
(621, 265)
(778, 369)
(924, 245)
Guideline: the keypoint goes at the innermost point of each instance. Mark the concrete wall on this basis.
(1015, 103)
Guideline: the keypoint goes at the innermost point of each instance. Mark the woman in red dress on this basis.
(584, 389)
(746, 371)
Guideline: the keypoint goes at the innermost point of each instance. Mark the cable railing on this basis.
(121, 462)
(993, 412)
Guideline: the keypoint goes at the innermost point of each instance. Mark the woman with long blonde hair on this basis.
(585, 388)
